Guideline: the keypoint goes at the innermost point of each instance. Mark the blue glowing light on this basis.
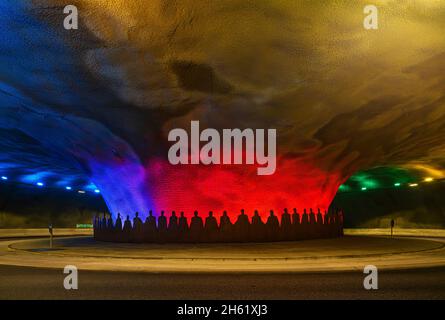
(4, 178)
(97, 191)
(68, 188)
(91, 187)
(21, 85)
(35, 178)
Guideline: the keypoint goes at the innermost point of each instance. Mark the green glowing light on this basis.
(385, 177)
(344, 188)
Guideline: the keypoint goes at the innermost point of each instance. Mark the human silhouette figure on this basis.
(173, 221)
(137, 222)
(127, 223)
(196, 228)
(96, 221)
(96, 228)
(257, 229)
(118, 224)
(126, 232)
(329, 223)
(324, 225)
(296, 225)
(225, 220)
(312, 218)
(326, 217)
(225, 228)
(286, 226)
(173, 228)
(273, 227)
(110, 225)
(304, 218)
(162, 227)
(183, 228)
(312, 224)
(318, 227)
(162, 221)
(152, 219)
(103, 223)
(109, 229)
(319, 217)
(305, 232)
(334, 223)
(211, 228)
(335, 215)
(242, 227)
(295, 216)
(137, 235)
(150, 230)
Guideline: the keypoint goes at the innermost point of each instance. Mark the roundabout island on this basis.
(410, 266)
(349, 253)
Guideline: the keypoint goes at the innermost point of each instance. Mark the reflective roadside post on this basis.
(50, 229)
(392, 226)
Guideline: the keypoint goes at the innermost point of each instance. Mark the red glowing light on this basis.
(295, 184)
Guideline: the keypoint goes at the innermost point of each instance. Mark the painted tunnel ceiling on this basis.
(95, 105)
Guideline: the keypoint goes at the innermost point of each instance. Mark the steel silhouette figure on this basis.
(137, 222)
(319, 217)
(96, 221)
(211, 228)
(183, 228)
(150, 229)
(110, 224)
(318, 228)
(273, 227)
(173, 228)
(137, 234)
(103, 223)
(162, 227)
(312, 219)
(226, 228)
(257, 228)
(126, 231)
(291, 227)
(296, 225)
(305, 218)
(196, 228)
(118, 224)
(286, 226)
(242, 227)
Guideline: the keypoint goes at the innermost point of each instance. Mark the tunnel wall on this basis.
(31, 207)
(420, 207)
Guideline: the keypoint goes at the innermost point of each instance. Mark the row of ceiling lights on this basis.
(412, 185)
(41, 185)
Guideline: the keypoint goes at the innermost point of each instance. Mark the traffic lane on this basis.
(34, 283)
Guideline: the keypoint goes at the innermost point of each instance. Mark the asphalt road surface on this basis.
(33, 283)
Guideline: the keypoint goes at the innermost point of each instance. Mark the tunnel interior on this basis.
(87, 112)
